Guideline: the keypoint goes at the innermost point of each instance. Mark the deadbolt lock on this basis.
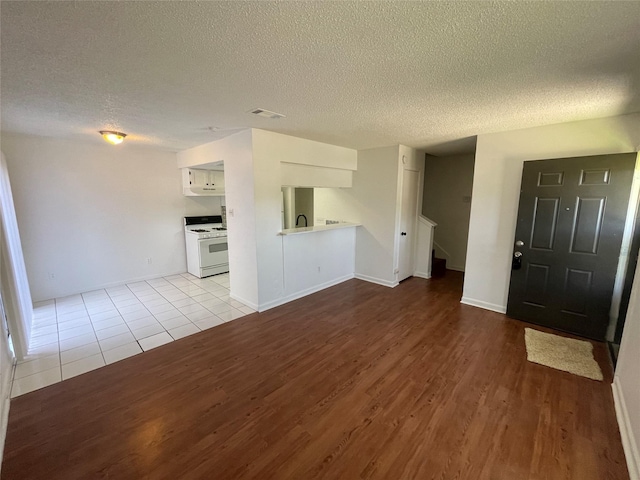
(516, 262)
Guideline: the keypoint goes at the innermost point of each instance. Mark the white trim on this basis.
(398, 211)
(625, 253)
(424, 247)
(302, 293)
(242, 300)
(456, 268)
(427, 221)
(18, 304)
(379, 281)
(628, 441)
(486, 305)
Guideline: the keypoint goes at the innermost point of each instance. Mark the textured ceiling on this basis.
(359, 74)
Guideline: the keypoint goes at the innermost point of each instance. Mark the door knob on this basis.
(519, 243)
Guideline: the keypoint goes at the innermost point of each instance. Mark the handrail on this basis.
(427, 221)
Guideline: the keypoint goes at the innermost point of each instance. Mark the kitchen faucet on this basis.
(306, 224)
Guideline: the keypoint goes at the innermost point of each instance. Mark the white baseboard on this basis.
(486, 305)
(302, 293)
(628, 440)
(115, 284)
(422, 275)
(379, 281)
(242, 300)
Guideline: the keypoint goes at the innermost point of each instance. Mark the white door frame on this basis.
(413, 163)
(15, 285)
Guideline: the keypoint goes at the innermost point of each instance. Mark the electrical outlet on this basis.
(149, 261)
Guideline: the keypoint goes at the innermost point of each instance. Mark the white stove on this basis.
(207, 248)
(208, 230)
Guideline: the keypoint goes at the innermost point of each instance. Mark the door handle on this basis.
(403, 233)
(516, 262)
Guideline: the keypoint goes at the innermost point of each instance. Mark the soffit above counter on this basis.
(295, 175)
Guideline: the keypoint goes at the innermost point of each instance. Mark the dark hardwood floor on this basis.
(358, 381)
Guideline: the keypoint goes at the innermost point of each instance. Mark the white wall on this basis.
(447, 181)
(626, 383)
(268, 208)
(496, 191)
(372, 202)
(313, 261)
(91, 214)
(270, 151)
(308, 176)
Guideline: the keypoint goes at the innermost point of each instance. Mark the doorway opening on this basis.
(448, 183)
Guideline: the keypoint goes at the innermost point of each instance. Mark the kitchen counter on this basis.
(317, 228)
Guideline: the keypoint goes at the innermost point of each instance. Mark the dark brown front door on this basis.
(571, 219)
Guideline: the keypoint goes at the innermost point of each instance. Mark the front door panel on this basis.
(571, 219)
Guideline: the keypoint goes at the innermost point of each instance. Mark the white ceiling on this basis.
(358, 74)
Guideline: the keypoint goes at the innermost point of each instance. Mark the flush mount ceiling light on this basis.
(261, 112)
(113, 137)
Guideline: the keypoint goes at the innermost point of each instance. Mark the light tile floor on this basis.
(79, 333)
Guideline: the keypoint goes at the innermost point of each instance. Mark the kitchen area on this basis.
(302, 215)
(206, 239)
(206, 235)
(270, 182)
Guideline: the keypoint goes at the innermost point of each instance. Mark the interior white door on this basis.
(408, 216)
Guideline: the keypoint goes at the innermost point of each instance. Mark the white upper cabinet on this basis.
(199, 178)
(198, 182)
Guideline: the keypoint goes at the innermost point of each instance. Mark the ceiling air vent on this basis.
(261, 112)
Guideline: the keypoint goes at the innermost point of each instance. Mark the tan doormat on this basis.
(566, 354)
